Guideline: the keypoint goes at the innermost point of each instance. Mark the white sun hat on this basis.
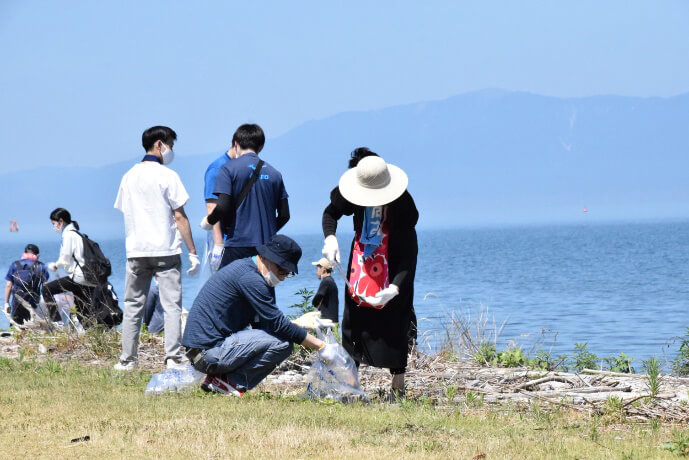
(373, 182)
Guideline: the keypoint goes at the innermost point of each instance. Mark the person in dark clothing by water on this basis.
(25, 278)
(378, 323)
(325, 299)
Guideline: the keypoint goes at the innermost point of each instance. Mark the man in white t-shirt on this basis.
(152, 199)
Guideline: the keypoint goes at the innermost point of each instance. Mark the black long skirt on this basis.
(380, 338)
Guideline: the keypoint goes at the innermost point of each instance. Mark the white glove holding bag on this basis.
(195, 265)
(382, 297)
(329, 353)
(52, 266)
(205, 225)
(331, 250)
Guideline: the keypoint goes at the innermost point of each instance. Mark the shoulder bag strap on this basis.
(247, 187)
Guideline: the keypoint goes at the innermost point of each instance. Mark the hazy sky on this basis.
(81, 80)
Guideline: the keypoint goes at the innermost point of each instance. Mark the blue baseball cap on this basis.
(283, 251)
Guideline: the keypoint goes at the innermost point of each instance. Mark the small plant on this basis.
(544, 361)
(613, 407)
(613, 404)
(679, 446)
(512, 357)
(593, 432)
(486, 353)
(304, 306)
(653, 378)
(474, 400)
(450, 392)
(621, 363)
(680, 365)
(583, 359)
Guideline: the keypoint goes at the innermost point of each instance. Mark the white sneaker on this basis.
(125, 366)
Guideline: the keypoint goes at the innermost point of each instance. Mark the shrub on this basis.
(486, 353)
(583, 359)
(680, 365)
(305, 305)
(621, 363)
(545, 361)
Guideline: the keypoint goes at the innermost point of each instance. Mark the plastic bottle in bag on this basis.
(174, 380)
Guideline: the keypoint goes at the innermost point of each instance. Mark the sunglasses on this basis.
(282, 271)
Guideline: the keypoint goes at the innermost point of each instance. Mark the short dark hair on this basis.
(249, 136)
(155, 134)
(32, 248)
(62, 213)
(359, 153)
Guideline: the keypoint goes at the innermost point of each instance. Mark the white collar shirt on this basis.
(148, 196)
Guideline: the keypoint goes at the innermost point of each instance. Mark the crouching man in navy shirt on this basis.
(218, 339)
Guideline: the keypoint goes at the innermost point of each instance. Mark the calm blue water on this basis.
(621, 288)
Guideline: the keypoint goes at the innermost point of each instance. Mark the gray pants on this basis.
(245, 358)
(140, 271)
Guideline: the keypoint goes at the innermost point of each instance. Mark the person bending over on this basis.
(217, 337)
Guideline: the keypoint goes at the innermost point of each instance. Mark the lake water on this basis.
(620, 288)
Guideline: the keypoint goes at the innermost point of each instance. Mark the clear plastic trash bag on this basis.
(337, 380)
(174, 380)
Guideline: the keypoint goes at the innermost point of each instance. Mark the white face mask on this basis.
(168, 154)
(271, 278)
(57, 228)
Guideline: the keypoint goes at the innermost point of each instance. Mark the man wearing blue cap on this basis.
(218, 339)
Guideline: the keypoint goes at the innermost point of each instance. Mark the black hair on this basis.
(358, 154)
(155, 134)
(62, 213)
(328, 270)
(249, 136)
(32, 248)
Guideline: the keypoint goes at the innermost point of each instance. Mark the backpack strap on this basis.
(75, 259)
(248, 185)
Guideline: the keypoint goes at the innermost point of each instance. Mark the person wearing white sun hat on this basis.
(379, 323)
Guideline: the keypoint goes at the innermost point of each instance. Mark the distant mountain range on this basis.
(480, 158)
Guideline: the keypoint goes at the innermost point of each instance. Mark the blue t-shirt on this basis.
(231, 300)
(210, 176)
(41, 271)
(256, 219)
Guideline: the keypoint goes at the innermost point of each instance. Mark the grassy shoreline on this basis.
(46, 403)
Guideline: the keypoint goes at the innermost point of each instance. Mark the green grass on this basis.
(46, 404)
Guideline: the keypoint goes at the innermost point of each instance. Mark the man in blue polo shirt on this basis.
(219, 341)
(250, 212)
(215, 237)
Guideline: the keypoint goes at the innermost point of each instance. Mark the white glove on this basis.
(329, 353)
(8, 308)
(205, 225)
(216, 256)
(308, 320)
(195, 265)
(382, 297)
(331, 250)
(52, 266)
